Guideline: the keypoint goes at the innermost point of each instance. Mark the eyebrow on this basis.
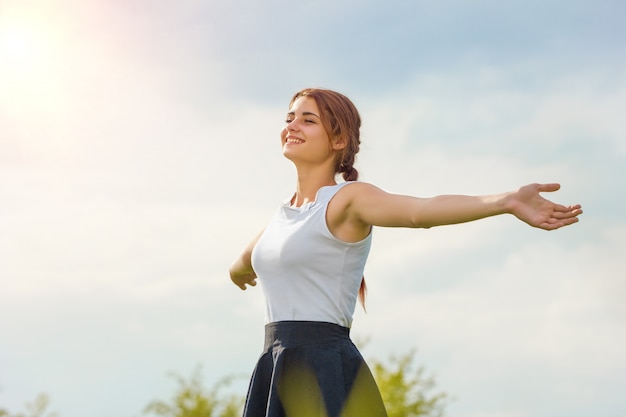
(306, 113)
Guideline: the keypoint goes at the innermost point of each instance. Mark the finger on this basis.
(570, 210)
(241, 286)
(566, 209)
(559, 208)
(553, 224)
(566, 222)
(550, 187)
(565, 214)
(569, 221)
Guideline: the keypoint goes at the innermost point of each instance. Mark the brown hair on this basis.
(342, 121)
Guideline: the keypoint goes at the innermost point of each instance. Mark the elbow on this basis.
(418, 223)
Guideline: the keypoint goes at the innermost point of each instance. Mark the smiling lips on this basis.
(292, 140)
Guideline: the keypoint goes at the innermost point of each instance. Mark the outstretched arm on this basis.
(372, 206)
(241, 271)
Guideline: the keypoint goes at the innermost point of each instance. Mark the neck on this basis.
(310, 180)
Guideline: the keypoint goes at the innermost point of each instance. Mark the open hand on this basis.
(530, 207)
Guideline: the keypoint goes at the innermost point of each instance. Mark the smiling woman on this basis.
(310, 258)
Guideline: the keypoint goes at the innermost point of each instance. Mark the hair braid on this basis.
(347, 169)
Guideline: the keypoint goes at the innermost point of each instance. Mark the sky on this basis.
(139, 153)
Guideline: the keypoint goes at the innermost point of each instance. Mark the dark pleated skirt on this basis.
(311, 369)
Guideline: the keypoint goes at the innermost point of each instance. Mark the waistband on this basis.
(297, 333)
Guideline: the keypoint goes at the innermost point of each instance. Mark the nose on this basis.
(292, 125)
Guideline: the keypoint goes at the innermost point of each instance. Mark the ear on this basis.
(339, 143)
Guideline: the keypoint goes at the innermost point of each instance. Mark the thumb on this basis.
(548, 187)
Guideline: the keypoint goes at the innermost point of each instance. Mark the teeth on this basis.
(292, 140)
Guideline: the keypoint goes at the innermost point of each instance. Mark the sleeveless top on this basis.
(305, 272)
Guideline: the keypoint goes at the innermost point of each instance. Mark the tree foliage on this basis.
(406, 391)
(36, 408)
(193, 399)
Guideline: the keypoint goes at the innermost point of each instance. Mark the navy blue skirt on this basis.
(311, 369)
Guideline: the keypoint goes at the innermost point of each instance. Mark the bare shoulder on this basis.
(365, 205)
(350, 194)
(340, 214)
(358, 188)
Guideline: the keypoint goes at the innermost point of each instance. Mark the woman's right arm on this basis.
(241, 271)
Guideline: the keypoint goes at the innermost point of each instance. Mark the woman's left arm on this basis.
(373, 206)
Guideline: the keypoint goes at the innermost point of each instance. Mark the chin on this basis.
(288, 154)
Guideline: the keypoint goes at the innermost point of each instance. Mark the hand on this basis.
(241, 278)
(530, 207)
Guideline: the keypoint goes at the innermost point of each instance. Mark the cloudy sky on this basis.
(139, 153)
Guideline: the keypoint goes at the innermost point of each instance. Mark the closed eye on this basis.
(305, 121)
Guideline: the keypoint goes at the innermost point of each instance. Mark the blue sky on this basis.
(139, 153)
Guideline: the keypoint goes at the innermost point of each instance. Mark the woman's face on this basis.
(304, 138)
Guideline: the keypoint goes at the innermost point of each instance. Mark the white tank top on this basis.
(305, 272)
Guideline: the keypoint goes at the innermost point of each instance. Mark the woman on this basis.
(311, 256)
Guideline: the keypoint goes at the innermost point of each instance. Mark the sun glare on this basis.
(23, 43)
(15, 43)
(32, 59)
(18, 48)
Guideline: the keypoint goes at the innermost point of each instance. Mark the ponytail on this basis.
(363, 293)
